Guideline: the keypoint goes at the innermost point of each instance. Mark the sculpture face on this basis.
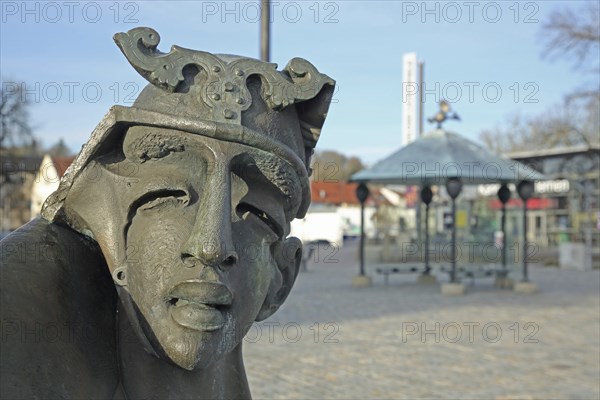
(189, 193)
(204, 217)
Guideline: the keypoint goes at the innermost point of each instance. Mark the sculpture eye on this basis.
(244, 210)
(162, 199)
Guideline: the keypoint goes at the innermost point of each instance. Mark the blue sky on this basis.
(74, 71)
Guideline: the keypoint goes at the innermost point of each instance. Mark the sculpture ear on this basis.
(288, 256)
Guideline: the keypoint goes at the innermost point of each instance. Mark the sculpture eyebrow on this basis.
(276, 170)
(156, 145)
(273, 164)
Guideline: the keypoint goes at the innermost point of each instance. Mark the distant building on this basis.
(564, 208)
(16, 178)
(572, 197)
(46, 180)
(335, 213)
(334, 193)
(325, 220)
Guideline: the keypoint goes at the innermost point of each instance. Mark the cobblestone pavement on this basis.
(405, 340)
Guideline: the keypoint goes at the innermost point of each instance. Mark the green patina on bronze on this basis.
(183, 204)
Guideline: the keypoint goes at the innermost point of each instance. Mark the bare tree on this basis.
(506, 137)
(331, 166)
(569, 32)
(572, 34)
(15, 128)
(60, 149)
(568, 124)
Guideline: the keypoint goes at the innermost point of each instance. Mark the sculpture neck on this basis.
(145, 376)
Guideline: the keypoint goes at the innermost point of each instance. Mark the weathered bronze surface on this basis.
(182, 203)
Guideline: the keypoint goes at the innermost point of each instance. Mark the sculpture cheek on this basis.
(93, 207)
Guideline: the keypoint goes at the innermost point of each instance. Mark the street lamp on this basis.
(503, 196)
(362, 193)
(453, 187)
(426, 197)
(525, 190)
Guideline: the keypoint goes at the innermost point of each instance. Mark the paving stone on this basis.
(333, 341)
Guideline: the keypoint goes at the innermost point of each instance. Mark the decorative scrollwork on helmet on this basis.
(224, 89)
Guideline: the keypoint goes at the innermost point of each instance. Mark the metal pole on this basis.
(362, 238)
(265, 31)
(421, 80)
(419, 223)
(525, 277)
(503, 227)
(427, 267)
(453, 274)
(587, 238)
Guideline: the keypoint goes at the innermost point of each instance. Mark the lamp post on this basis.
(362, 193)
(525, 190)
(426, 197)
(503, 196)
(453, 187)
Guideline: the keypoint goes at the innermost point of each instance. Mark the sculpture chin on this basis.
(172, 342)
(192, 355)
(193, 349)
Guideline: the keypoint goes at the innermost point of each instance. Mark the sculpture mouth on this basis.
(199, 305)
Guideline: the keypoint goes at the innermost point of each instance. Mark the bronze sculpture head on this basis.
(189, 195)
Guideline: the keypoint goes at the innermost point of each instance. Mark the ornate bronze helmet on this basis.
(225, 97)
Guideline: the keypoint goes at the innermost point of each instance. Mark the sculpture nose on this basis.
(211, 240)
(211, 258)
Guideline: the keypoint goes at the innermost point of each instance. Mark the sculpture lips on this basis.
(196, 304)
(203, 292)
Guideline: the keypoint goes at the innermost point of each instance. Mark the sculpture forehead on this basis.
(143, 143)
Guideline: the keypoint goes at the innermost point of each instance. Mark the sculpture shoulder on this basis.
(57, 304)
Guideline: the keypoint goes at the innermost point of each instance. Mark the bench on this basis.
(387, 269)
(477, 272)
